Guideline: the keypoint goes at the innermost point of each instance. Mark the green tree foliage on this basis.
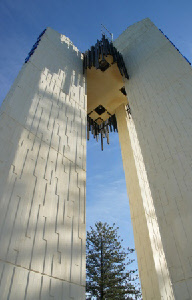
(107, 274)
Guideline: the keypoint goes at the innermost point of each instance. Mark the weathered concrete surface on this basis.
(156, 149)
(42, 169)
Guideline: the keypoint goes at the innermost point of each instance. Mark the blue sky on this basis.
(21, 21)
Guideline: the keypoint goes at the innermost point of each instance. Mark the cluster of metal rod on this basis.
(96, 56)
(102, 129)
(34, 46)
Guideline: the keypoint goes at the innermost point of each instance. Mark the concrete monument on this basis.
(142, 85)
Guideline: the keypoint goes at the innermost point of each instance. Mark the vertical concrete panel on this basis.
(153, 270)
(159, 92)
(42, 183)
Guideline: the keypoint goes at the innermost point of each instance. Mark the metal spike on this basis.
(107, 137)
(101, 141)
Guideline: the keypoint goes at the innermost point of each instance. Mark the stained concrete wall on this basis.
(156, 144)
(42, 169)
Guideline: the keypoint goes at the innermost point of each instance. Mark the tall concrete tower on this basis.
(145, 85)
(42, 161)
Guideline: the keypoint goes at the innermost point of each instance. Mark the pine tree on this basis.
(107, 261)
